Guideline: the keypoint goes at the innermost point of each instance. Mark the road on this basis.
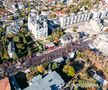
(24, 63)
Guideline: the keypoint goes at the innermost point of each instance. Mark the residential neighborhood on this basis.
(53, 44)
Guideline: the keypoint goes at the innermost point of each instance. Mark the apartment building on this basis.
(82, 16)
(101, 43)
(13, 5)
(38, 26)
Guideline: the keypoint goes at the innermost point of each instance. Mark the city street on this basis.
(24, 63)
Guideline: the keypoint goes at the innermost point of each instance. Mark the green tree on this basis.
(20, 46)
(24, 40)
(15, 57)
(54, 66)
(68, 61)
(10, 35)
(69, 70)
(16, 38)
(10, 17)
(5, 55)
(29, 51)
(52, 16)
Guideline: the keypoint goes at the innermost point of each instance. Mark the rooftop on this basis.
(13, 29)
(50, 82)
(37, 19)
(4, 84)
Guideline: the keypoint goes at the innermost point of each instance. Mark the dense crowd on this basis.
(9, 68)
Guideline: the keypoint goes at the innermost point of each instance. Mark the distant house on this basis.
(1, 3)
(101, 80)
(50, 45)
(11, 49)
(13, 28)
(58, 60)
(52, 81)
(67, 38)
(13, 5)
(71, 55)
(4, 84)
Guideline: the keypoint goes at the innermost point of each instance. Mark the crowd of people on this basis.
(9, 68)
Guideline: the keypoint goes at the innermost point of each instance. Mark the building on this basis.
(66, 21)
(1, 3)
(101, 80)
(59, 60)
(106, 1)
(4, 84)
(65, 39)
(13, 5)
(12, 28)
(11, 49)
(101, 43)
(50, 45)
(37, 24)
(52, 81)
(96, 26)
(71, 55)
(70, 37)
(4, 12)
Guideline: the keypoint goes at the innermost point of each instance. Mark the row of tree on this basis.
(23, 43)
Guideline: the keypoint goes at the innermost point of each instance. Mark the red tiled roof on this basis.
(4, 84)
(50, 0)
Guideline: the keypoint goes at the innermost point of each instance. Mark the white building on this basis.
(81, 17)
(96, 26)
(38, 26)
(65, 39)
(101, 43)
(69, 37)
(13, 28)
(11, 49)
(12, 6)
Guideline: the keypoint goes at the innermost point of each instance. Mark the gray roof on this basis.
(100, 79)
(12, 29)
(67, 37)
(36, 79)
(37, 20)
(58, 60)
(50, 82)
(11, 47)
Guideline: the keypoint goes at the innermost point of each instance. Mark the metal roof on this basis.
(50, 82)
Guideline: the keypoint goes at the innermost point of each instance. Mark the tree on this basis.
(10, 35)
(54, 66)
(74, 9)
(24, 40)
(57, 34)
(20, 46)
(69, 70)
(40, 69)
(10, 17)
(16, 38)
(68, 61)
(52, 16)
(5, 55)
(87, 3)
(29, 51)
(15, 57)
(74, 29)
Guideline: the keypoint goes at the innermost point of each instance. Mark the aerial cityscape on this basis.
(53, 44)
